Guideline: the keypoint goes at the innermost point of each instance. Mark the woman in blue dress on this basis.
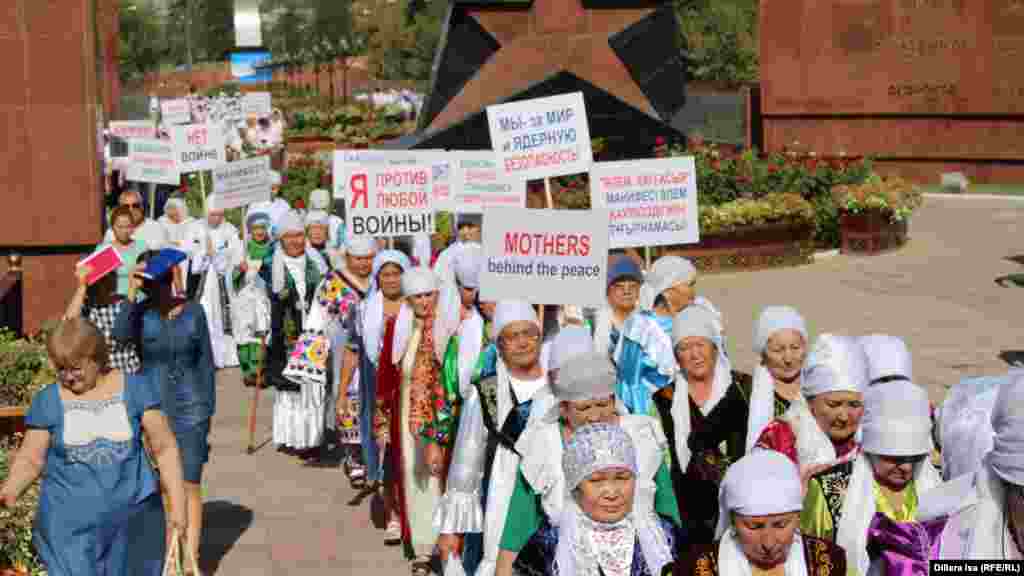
(100, 511)
(173, 340)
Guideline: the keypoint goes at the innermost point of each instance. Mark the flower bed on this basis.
(873, 214)
(16, 551)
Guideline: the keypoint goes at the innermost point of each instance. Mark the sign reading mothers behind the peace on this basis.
(389, 200)
(151, 160)
(198, 147)
(650, 202)
(545, 256)
(541, 137)
(480, 183)
(242, 183)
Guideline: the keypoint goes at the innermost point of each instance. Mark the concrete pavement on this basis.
(269, 514)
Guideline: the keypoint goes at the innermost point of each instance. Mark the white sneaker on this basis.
(393, 534)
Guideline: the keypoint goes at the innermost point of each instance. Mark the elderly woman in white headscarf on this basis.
(176, 221)
(601, 530)
(985, 509)
(875, 520)
(758, 527)
(644, 355)
(781, 340)
(583, 382)
(704, 413)
(292, 273)
(817, 432)
(320, 200)
(318, 233)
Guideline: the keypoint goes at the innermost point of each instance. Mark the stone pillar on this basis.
(50, 174)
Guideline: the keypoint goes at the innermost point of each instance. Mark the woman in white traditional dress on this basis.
(985, 509)
(876, 521)
(780, 339)
(758, 528)
(601, 530)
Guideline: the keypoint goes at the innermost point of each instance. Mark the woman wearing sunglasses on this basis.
(100, 512)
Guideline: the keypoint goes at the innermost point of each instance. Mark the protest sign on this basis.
(542, 137)
(133, 129)
(480, 184)
(257, 103)
(177, 111)
(151, 160)
(545, 256)
(347, 160)
(198, 147)
(389, 200)
(241, 183)
(649, 202)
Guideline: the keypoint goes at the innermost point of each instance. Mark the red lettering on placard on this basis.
(360, 188)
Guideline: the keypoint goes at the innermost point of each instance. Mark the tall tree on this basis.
(722, 38)
(140, 49)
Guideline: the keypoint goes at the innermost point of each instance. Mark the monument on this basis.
(622, 54)
(926, 86)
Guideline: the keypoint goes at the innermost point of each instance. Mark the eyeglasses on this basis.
(527, 336)
(71, 374)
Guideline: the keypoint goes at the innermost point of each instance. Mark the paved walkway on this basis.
(269, 514)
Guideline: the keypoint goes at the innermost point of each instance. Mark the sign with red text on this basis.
(542, 137)
(198, 147)
(151, 160)
(128, 129)
(177, 111)
(545, 256)
(479, 184)
(389, 200)
(649, 202)
(241, 183)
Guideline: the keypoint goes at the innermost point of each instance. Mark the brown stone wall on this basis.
(49, 161)
(904, 79)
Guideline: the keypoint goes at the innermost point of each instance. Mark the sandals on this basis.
(393, 534)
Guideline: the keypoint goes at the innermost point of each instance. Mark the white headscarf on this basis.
(570, 342)
(361, 247)
(509, 311)
(416, 281)
(666, 272)
(320, 199)
(762, 396)
(762, 483)
(290, 223)
(586, 376)
(887, 356)
(591, 449)
(834, 364)
(696, 321)
(897, 422)
(317, 217)
(373, 313)
(468, 262)
(964, 421)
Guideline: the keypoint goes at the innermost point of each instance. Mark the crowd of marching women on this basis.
(625, 441)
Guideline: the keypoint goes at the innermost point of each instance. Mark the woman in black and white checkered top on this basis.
(100, 304)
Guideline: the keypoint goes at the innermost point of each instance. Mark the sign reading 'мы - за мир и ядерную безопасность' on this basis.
(545, 256)
(542, 137)
(389, 200)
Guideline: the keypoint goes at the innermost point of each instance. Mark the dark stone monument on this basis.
(622, 54)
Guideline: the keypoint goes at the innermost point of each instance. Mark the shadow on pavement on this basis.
(223, 524)
(1014, 358)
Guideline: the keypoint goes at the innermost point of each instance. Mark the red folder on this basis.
(102, 262)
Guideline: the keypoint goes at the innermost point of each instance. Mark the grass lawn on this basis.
(998, 189)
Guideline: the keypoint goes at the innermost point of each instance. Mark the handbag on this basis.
(172, 562)
(307, 362)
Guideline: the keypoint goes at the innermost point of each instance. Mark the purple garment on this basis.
(904, 548)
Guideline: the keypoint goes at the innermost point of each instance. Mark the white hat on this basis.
(468, 263)
(319, 199)
(774, 319)
(587, 376)
(289, 223)
(666, 272)
(570, 342)
(762, 483)
(317, 217)
(509, 311)
(897, 420)
(696, 321)
(361, 247)
(835, 364)
(419, 280)
(887, 356)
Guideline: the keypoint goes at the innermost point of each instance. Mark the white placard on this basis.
(151, 160)
(198, 147)
(389, 200)
(545, 256)
(177, 111)
(128, 129)
(650, 202)
(480, 184)
(242, 183)
(542, 137)
(256, 103)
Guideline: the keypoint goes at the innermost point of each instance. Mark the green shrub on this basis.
(24, 369)
(16, 550)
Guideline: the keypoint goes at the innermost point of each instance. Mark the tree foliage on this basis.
(405, 39)
(140, 52)
(722, 38)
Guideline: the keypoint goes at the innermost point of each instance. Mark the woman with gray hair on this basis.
(704, 413)
(781, 340)
(600, 530)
